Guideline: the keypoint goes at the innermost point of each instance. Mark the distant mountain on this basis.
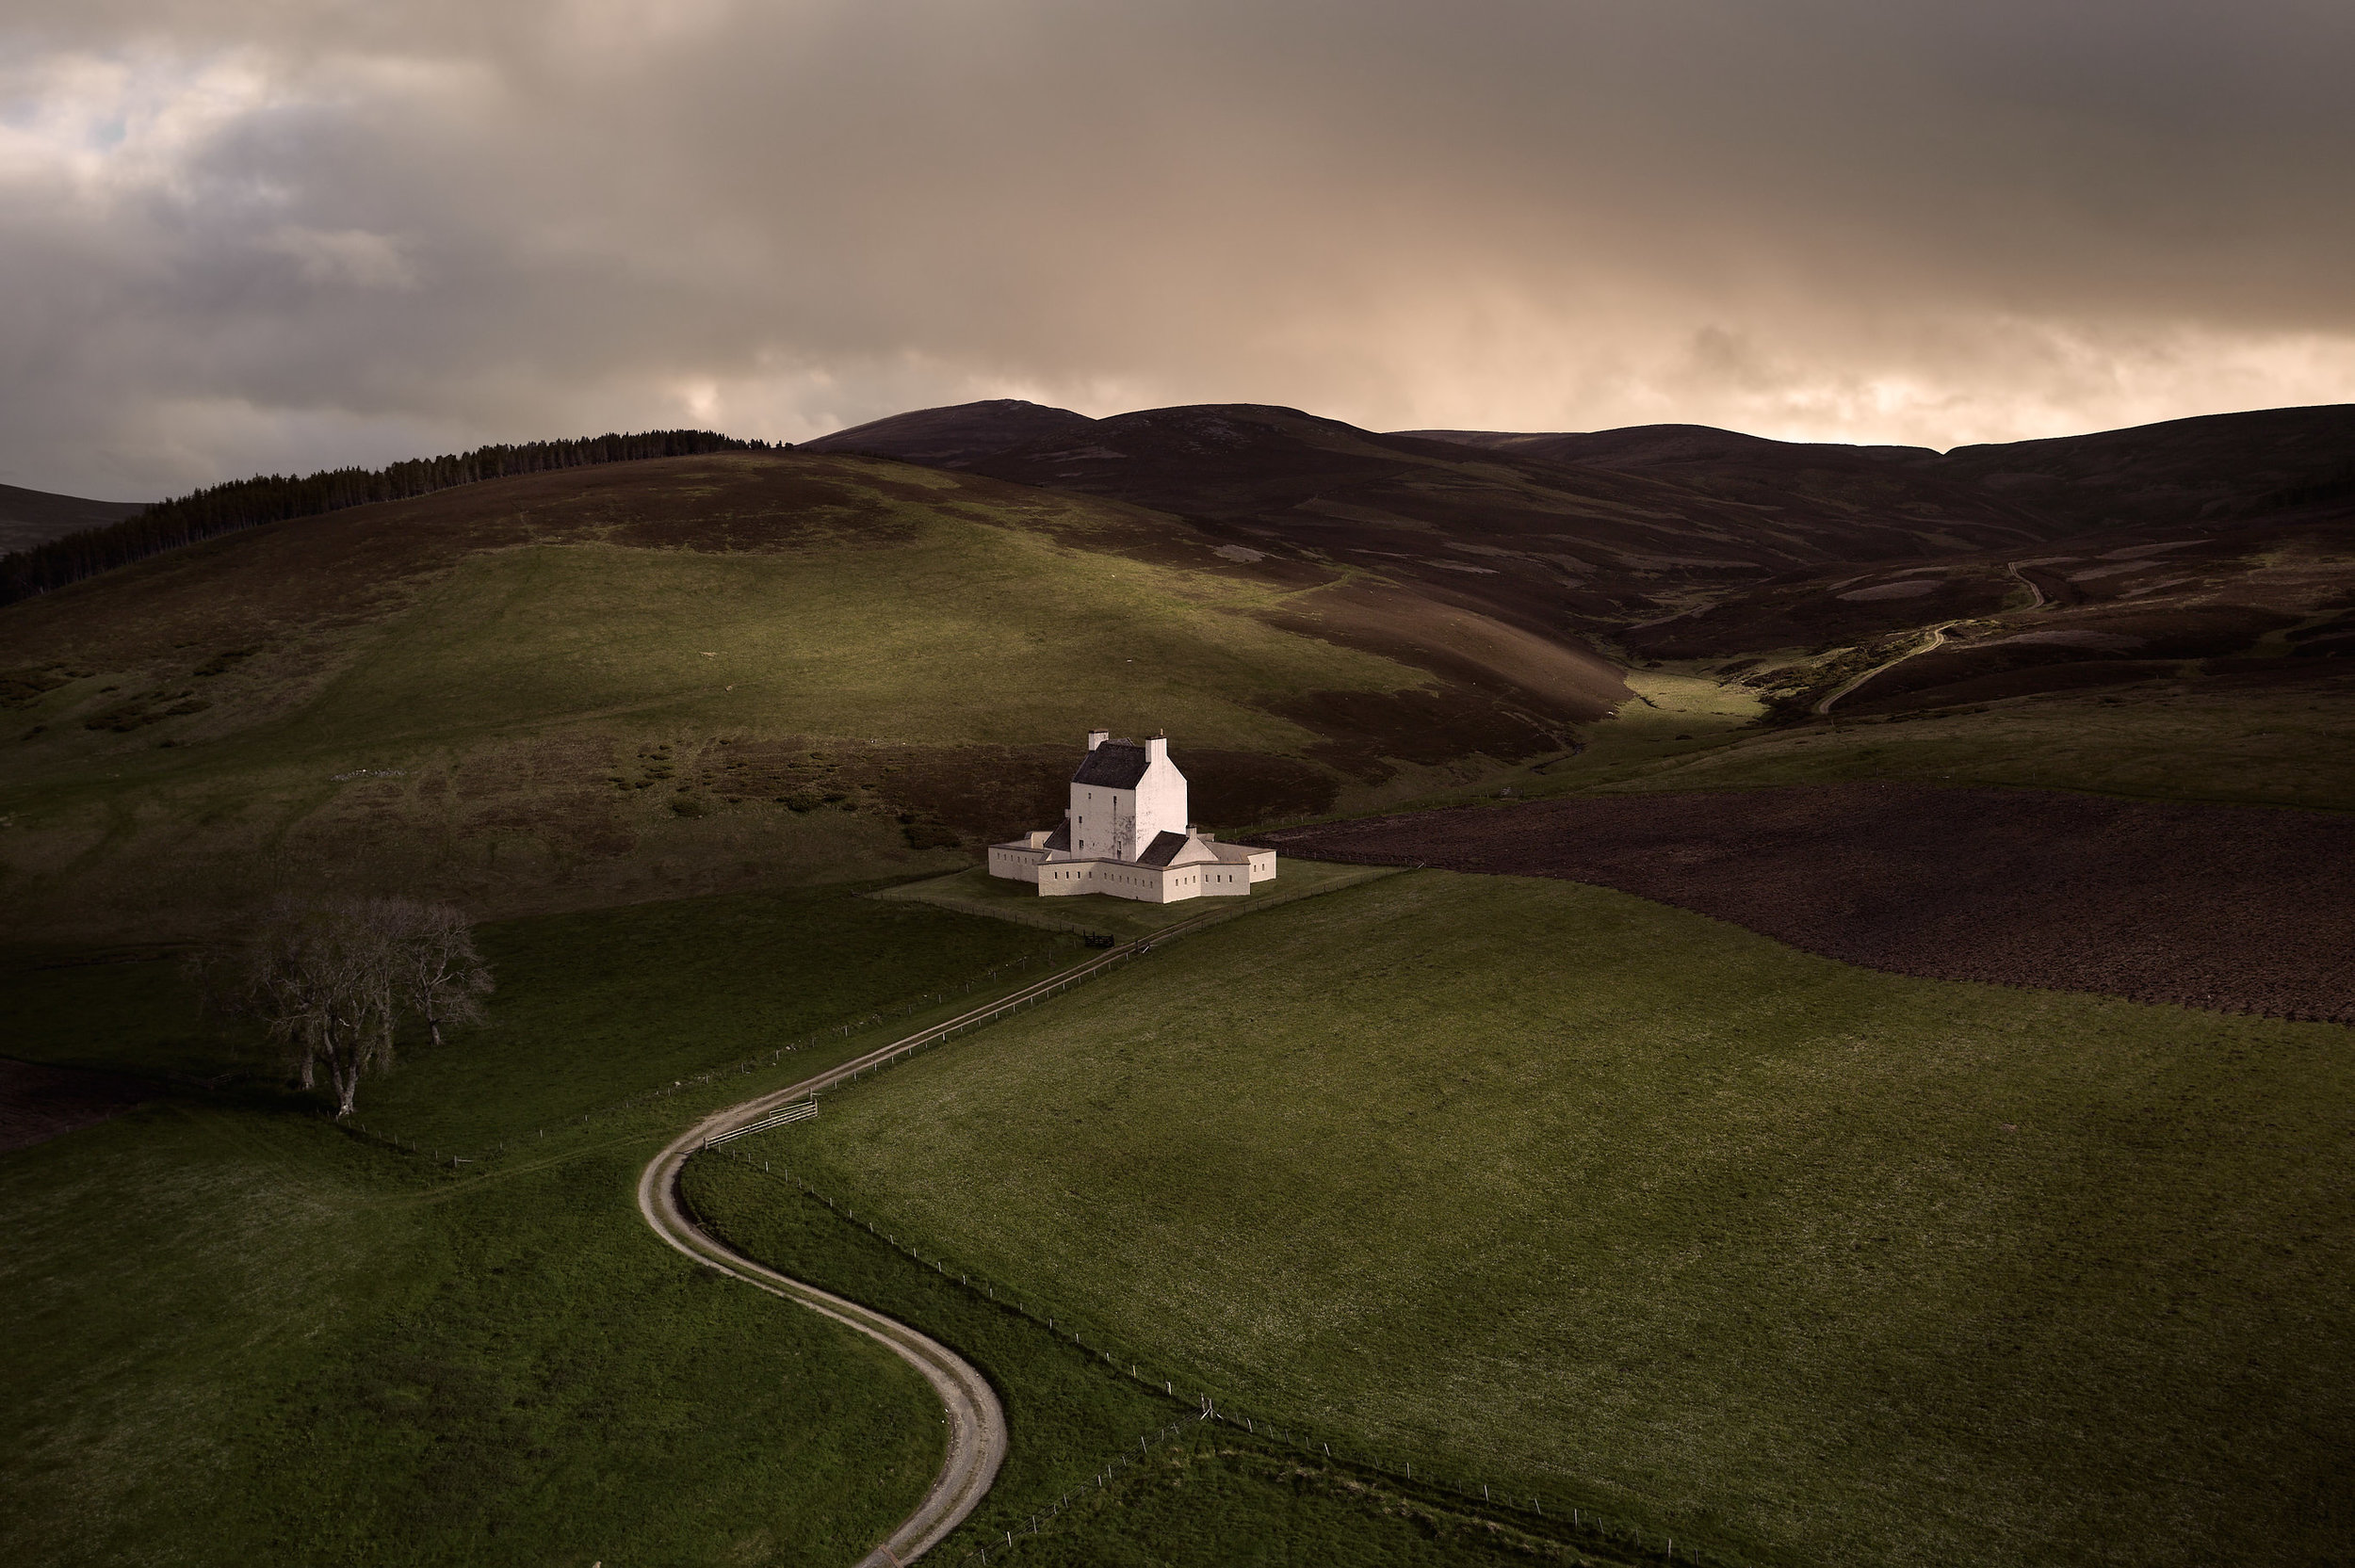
(1647, 445)
(2213, 467)
(955, 436)
(30, 517)
(1550, 545)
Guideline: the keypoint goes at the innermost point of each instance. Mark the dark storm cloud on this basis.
(280, 235)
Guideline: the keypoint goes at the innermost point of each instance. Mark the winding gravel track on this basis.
(1937, 639)
(977, 1423)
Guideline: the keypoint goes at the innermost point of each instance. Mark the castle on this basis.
(1126, 833)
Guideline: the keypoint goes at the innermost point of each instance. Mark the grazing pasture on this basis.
(237, 1334)
(1545, 1184)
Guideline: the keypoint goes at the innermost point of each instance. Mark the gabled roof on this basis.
(1113, 764)
(1163, 848)
(1060, 837)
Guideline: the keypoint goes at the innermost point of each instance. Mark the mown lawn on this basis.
(237, 1334)
(1547, 1186)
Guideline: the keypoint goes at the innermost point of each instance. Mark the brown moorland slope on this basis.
(2213, 468)
(1553, 547)
(957, 435)
(2271, 600)
(2224, 908)
(2206, 469)
(30, 517)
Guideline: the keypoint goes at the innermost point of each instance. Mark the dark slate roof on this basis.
(1113, 764)
(1163, 848)
(1060, 837)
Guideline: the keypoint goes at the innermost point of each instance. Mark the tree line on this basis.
(333, 981)
(274, 498)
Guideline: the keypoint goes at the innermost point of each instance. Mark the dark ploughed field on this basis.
(40, 1103)
(2227, 908)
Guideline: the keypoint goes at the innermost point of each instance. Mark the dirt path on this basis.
(2030, 583)
(1937, 639)
(977, 1423)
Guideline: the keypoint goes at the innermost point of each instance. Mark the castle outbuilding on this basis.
(1126, 833)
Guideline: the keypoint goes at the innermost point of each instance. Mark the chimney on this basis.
(1157, 750)
(1097, 737)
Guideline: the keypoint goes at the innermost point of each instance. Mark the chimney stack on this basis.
(1097, 737)
(1157, 750)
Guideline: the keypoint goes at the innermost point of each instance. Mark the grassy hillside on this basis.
(691, 673)
(1541, 1183)
(1202, 1496)
(237, 1334)
(236, 1338)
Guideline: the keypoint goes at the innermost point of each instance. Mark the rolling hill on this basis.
(691, 673)
(2263, 604)
(954, 437)
(594, 685)
(1557, 547)
(2207, 469)
(30, 517)
(1585, 536)
(1538, 1183)
(2218, 551)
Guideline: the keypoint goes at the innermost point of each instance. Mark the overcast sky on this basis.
(252, 235)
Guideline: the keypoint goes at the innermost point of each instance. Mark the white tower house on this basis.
(1124, 796)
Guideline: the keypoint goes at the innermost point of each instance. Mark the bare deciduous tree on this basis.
(439, 975)
(331, 979)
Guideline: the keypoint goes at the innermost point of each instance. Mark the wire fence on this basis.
(1104, 1477)
(1603, 1530)
(1585, 1525)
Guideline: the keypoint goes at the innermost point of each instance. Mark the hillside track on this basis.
(1937, 639)
(977, 1422)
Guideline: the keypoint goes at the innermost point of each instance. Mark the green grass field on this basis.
(1210, 1496)
(1547, 1186)
(975, 892)
(237, 1334)
(237, 1338)
(592, 1007)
